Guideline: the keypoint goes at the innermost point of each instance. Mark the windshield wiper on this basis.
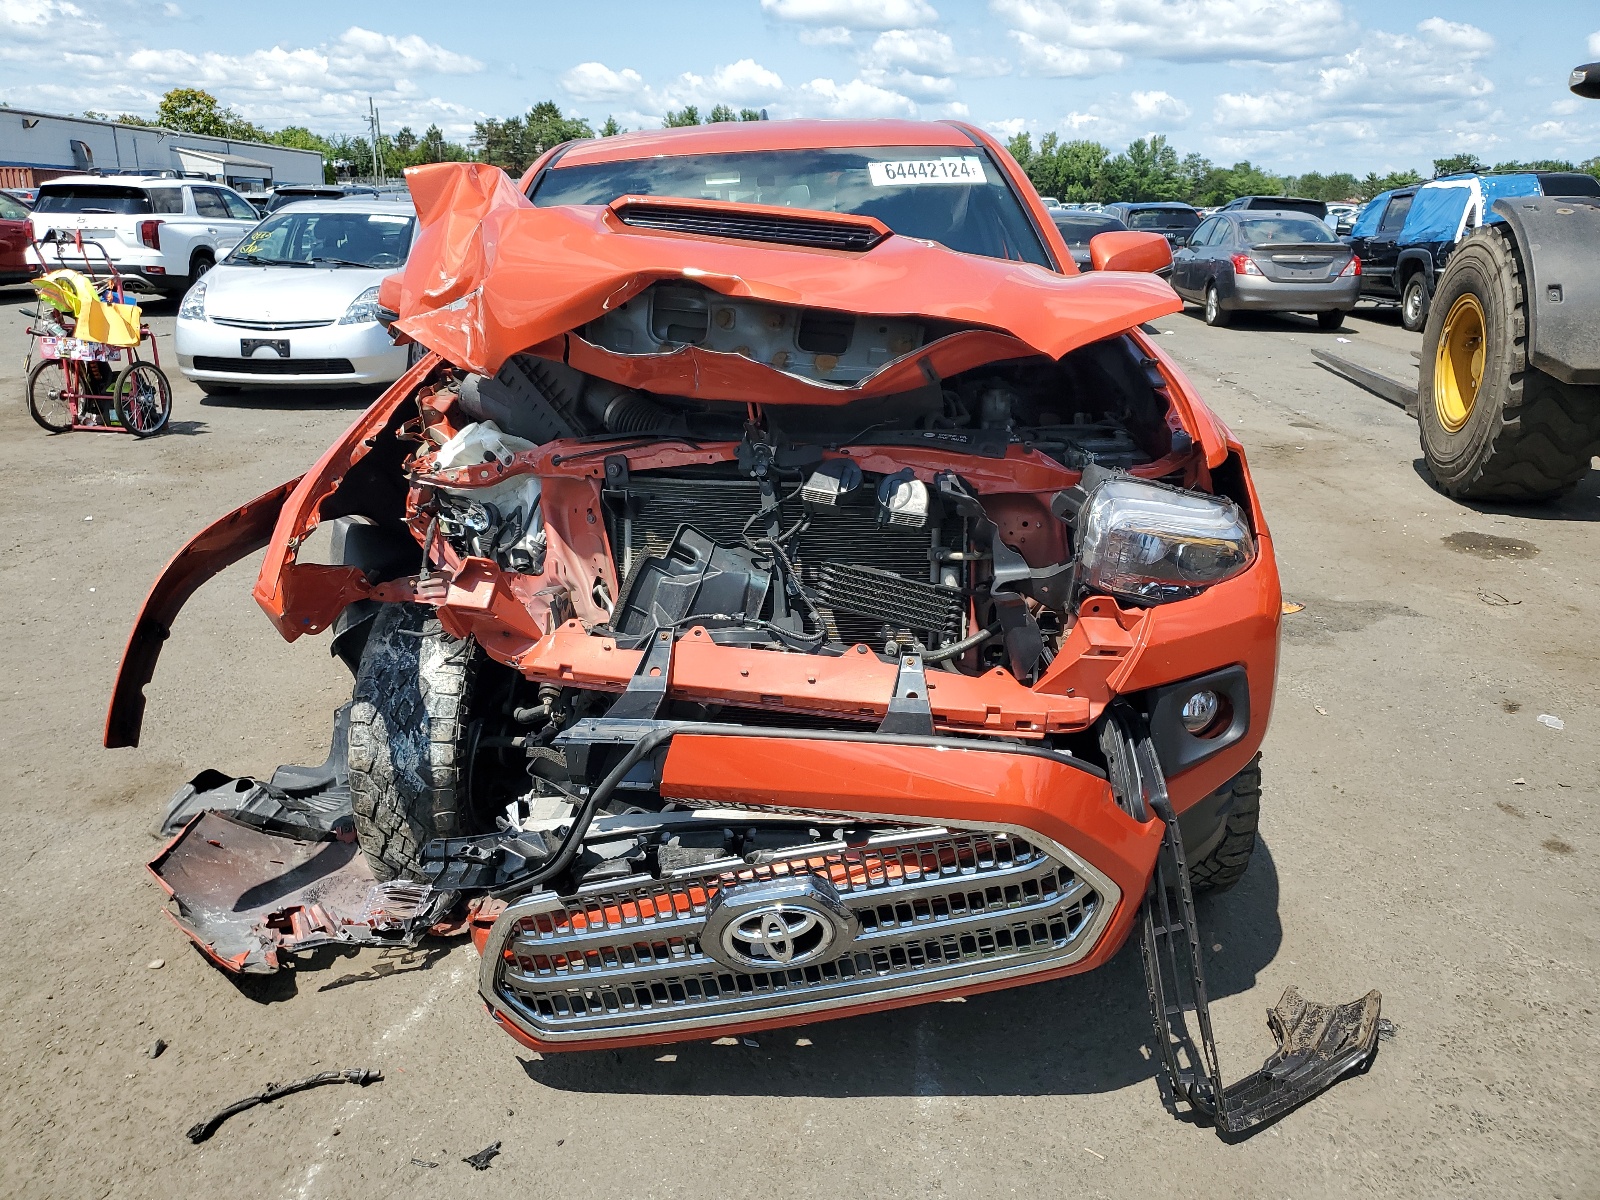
(339, 262)
(256, 260)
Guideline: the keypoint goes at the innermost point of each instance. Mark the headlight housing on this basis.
(363, 309)
(193, 307)
(1151, 544)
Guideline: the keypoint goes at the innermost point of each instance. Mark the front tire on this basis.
(407, 728)
(47, 402)
(1216, 315)
(1491, 426)
(1228, 861)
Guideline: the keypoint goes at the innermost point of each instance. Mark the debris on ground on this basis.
(273, 1091)
(480, 1161)
(1291, 607)
(422, 1162)
(155, 964)
(1551, 722)
(157, 1046)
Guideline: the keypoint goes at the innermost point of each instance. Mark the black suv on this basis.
(1175, 221)
(1400, 266)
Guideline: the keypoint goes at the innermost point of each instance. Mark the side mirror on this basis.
(1129, 250)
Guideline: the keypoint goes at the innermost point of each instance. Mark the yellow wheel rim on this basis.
(1458, 362)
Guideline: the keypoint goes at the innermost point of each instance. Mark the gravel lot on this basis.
(1424, 833)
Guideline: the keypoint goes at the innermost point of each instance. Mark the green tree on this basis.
(687, 115)
(749, 114)
(720, 114)
(611, 128)
(133, 119)
(515, 143)
(1146, 170)
(190, 110)
(1456, 164)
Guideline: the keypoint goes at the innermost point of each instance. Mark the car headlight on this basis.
(363, 308)
(1151, 544)
(193, 307)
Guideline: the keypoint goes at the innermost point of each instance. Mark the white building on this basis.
(36, 146)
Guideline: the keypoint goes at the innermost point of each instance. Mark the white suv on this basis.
(162, 233)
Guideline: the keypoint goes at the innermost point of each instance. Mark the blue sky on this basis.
(1291, 84)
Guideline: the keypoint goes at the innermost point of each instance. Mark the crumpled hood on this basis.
(491, 275)
(245, 293)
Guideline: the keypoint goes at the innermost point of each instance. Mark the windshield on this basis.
(1259, 231)
(1077, 230)
(281, 198)
(92, 198)
(960, 200)
(1163, 218)
(353, 239)
(12, 210)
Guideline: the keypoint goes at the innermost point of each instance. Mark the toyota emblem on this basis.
(778, 925)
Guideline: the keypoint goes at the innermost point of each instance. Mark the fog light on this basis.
(1199, 711)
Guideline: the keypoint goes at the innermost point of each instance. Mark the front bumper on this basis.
(1267, 295)
(1002, 868)
(330, 355)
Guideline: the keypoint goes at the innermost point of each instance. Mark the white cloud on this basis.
(1040, 57)
(1008, 128)
(596, 81)
(827, 35)
(745, 81)
(1594, 43)
(1467, 38)
(857, 98)
(1158, 106)
(854, 14)
(1180, 30)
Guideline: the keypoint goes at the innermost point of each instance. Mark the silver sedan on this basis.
(296, 302)
(1267, 262)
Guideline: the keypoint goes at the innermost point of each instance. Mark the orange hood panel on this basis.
(491, 275)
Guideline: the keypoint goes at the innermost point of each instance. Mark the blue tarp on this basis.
(1501, 187)
(1366, 222)
(1437, 211)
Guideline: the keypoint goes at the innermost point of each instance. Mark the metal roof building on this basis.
(37, 146)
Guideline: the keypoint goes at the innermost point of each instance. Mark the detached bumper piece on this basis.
(1318, 1044)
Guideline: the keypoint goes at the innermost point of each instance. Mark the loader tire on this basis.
(407, 726)
(1227, 863)
(1491, 426)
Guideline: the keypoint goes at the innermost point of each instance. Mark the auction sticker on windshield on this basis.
(905, 171)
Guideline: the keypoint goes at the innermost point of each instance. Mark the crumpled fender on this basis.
(216, 547)
(491, 275)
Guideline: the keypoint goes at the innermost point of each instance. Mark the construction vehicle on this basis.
(1508, 393)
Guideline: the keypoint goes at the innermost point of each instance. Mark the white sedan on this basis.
(296, 302)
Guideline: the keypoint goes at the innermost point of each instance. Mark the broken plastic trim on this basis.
(1318, 1044)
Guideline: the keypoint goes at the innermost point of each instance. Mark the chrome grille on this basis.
(937, 909)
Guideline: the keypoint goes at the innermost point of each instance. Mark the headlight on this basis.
(363, 308)
(1153, 544)
(193, 307)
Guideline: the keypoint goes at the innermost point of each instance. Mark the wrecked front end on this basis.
(728, 656)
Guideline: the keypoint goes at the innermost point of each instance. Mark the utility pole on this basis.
(376, 129)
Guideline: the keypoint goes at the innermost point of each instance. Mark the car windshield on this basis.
(1259, 231)
(280, 199)
(355, 239)
(1076, 230)
(959, 199)
(1163, 218)
(92, 198)
(12, 210)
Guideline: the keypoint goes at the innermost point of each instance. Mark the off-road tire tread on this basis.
(1228, 861)
(1544, 432)
(407, 725)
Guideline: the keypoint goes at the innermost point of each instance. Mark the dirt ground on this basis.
(1423, 833)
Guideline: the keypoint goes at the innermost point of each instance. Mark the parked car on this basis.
(1267, 262)
(1172, 220)
(762, 657)
(1341, 217)
(1050, 201)
(25, 196)
(162, 233)
(296, 302)
(295, 193)
(1312, 208)
(1406, 236)
(14, 229)
(1078, 227)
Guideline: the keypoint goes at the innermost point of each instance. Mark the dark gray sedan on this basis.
(1077, 227)
(1267, 262)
